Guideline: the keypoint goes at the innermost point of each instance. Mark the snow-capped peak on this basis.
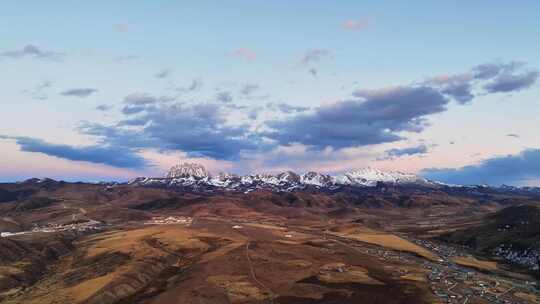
(316, 179)
(195, 176)
(187, 170)
(371, 176)
(288, 177)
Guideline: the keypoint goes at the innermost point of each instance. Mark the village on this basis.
(170, 220)
(84, 226)
(457, 284)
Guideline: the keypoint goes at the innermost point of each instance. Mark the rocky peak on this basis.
(316, 179)
(288, 177)
(187, 170)
(195, 176)
(371, 176)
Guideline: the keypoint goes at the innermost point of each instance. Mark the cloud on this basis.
(224, 96)
(139, 102)
(384, 115)
(104, 107)
(197, 129)
(509, 82)
(356, 25)
(224, 130)
(33, 52)
(486, 71)
(488, 78)
(39, 92)
(287, 108)
(249, 89)
(314, 56)
(165, 73)
(195, 85)
(245, 53)
(140, 99)
(510, 169)
(373, 117)
(79, 92)
(458, 86)
(108, 155)
(395, 153)
(253, 113)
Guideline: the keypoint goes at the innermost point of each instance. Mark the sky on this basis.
(111, 90)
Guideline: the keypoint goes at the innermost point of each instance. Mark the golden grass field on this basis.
(349, 274)
(475, 263)
(238, 288)
(131, 241)
(137, 244)
(386, 240)
(87, 288)
(528, 297)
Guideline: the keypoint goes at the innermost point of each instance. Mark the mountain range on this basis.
(195, 176)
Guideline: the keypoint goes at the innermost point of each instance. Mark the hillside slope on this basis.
(512, 233)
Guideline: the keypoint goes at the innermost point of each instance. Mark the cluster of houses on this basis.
(80, 227)
(170, 220)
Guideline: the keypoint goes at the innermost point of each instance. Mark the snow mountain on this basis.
(188, 170)
(369, 177)
(196, 177)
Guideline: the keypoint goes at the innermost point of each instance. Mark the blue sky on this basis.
(269, 85)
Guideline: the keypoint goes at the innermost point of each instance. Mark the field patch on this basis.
(238, 288)
(528, 297)
(473, 262)
(389, 241)
(341, 273)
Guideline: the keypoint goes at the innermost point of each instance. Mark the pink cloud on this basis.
(246, 54)
(356, 25)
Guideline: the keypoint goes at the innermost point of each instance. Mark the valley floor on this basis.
(98, 244)
(226, 260)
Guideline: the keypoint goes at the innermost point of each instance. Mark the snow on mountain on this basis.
(370, 177)
(191, 175)
(187, 170)
(224, 180)
(316, 179)
(288, 177)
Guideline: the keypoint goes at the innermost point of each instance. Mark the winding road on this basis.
(254, 276)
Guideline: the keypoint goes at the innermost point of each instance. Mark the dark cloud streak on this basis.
(314, 56)
(373, 117)
(79, 92)
(33, 51)
(499, 77)
(198, 129)
(512, 82)
(510, 169)
(107, 155)
(417, 150)
(164, 73)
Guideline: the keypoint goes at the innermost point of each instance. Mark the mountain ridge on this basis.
(195, 177)
(192, 175)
